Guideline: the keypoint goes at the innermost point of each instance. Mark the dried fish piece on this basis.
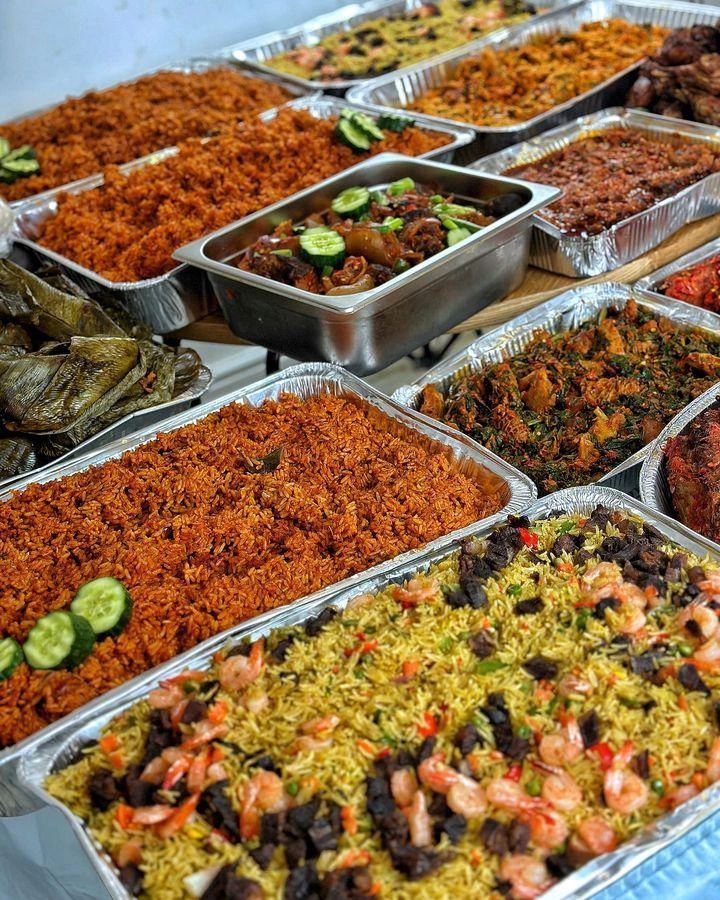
(17, 456)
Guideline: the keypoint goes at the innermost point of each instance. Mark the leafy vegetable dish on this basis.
(573, 405)
(368, 237)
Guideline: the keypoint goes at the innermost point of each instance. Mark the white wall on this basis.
(52, 48)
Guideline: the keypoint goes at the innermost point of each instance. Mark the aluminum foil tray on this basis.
(402, 88)
(23, 775)
(651, 283)
(194, 65)
(257, 51)
(308, 380)
(182, 295)
(584, 256)
(654, 488)
(568, 310)
(370, 330)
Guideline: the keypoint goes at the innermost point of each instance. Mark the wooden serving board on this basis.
(538, 286)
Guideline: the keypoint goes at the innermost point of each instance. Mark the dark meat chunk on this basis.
(226, 885)
(559, 866)
(427, 748)
(424, 236)
(102, 789)
(280, 650)
(215, 807)
(415, 862)
(540, 667)
(137, 791)
(567, 543)
(378, 798)
(314, 626)
(300, 818)
(194, 712)
(303, 883)
(271, 828)
(495, 837)
(529, 607)
(716, 712)
(651, 561)
(603, 605)
(474, 591)
(438, 807)
(518, 837)
(262, 855)
(131, 879)
(504, 204)
(322, 836)
(267, 763)
(696, 574)
(161, 735)
(599, 518)
(506, 741)
(467, 738)
(454, 827)
(503, 546)
(690, 679)
(296, 852)
(641, 764)
(482, 644)
(589, 725)
(393, 829)
(352, 883)
(647, 664)
(335, 818)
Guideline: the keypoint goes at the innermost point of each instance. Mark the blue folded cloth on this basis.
(686, 870)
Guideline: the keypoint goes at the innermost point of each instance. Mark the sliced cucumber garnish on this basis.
(322, 248)
(11, 656)
(354, 137)
(353, 202)
(393, 122)
(58, 639)
(106, 605)
(366, 125)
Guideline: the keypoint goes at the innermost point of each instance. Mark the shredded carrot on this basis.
(349, 820)
(682, 703)
(108, 743)
(124, 815)
(410, 668)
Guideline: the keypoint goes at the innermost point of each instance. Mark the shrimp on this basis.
(130, 853)
(679, 795)
(152, 815)
(419, 821)
(528, 876)
(315, 726)
(548, 829)
(506, 794)
(570, 685)
(467, 798)
(403, 785)
(166, 697)
(711, 584)
(256, 702)
(562, 746)
(561, 791)
(264, 792)
(593, 837)
(704, 619)
(360, 600)
(417, 590)
(308, 743)
(237, 672)
(436, 774)
(624, 791)
(630, 619)
(708, 654)
(598, 576)
(713, 766)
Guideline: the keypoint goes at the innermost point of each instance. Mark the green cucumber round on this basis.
(58, 640)
(325, 248)
(105, 603)
(393, 122)
(11, 656)
(354, 137)
(352, 202)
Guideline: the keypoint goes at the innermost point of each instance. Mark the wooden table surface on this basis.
(538, 286)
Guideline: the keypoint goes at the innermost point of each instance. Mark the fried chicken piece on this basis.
(582, 342)
(504, 386)
(588, 454)
(707, 363)
(609, 331)
(607, 427)
(432, 402)
(538, 391)
(508, 422)
(607, 390)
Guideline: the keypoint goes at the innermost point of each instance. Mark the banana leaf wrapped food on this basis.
(70, 367)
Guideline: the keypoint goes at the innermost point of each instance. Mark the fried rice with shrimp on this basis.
(485, 728)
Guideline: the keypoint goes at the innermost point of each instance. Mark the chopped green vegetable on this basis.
(513, 589)
(293, 788)
(18, 163)
(524, 731)
(533, 787)
(105, 604)
(11, 656)
(452, 209)
(566, 526)
(399, 187)
(582, 619)
(485, 666)
(446, 644)
(285, 252)
(353, 202)
(58, 639)
(400, 266)
(685, 649)
(390, 223)
(657, 787)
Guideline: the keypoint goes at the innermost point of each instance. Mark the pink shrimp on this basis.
(264, 792)
(624, 791)
(419, 821)
(561, 791)
(403, 785)
(713, 766)
(316, 726)
(237, 672)
(711, 584)
(308, 743)
(528, 876)
(166, 697)
(436, 774)
(571, 685)
(707, 655)
(256, 702)
(704, 619)
(548, 829)
(562, 746)
(417, 590)
(152, 815)
(679, 795)
(467, 798)
(630, 619)
(599, 577)
(359, 601)
(593, 837)
(506, 794)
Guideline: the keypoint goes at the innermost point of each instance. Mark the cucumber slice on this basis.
(325, 248)
(392, 122)
(105, 604)
(351, 135)
(399, 187)
(58, 639)
(24, 152)
(11, 656)
(367, 126)
(457, 235)
(353, 202)
(4, 147)
(21, 166)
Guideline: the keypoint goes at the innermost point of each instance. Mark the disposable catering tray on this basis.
(191, 66)
(256, 52)
(570, 309)
(579, 256)
(369, 330)
(55, 747)
(651, 283)
(309, 380)
(654, 488)
(182, 295)
(399, 89)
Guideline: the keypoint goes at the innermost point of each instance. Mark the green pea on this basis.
(533, 787)
(657, 787)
